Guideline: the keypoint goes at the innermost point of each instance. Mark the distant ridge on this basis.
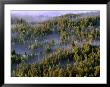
(41, 18)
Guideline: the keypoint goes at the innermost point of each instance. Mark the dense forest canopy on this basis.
(63, 46)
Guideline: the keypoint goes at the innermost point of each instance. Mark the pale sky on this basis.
(46, 13)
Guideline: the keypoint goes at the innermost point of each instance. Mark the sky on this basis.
(46, 13)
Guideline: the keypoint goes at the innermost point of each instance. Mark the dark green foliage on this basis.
(17, 58)
(79, 61)
(85, 64)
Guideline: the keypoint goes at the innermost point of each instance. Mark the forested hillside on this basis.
(61, 46)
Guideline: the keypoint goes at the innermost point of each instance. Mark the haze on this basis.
(46, 13)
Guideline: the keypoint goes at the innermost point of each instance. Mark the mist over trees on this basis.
(73, 54)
